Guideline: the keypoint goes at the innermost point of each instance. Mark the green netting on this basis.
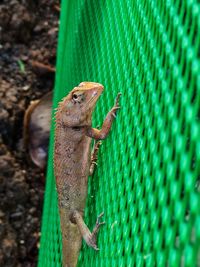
(147, 181)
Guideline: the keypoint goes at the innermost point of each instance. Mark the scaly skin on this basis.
(72, 164)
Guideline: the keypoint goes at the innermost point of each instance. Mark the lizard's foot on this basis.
(116, 106)
(92, 238)
(95, 151)
(94, 156)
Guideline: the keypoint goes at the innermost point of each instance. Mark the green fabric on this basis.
(147, 179)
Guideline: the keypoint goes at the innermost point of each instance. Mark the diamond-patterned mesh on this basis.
(147, 181)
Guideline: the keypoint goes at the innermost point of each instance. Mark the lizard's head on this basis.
(76, 108)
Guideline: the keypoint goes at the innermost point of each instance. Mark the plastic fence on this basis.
(147, 181)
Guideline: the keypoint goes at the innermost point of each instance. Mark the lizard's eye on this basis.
(78, 97)
(75, 96)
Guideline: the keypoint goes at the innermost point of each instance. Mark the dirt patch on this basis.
(28, 34)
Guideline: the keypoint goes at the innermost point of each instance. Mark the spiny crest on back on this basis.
(57, 112)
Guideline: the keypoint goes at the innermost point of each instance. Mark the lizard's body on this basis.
(71, 181)
(72, 162)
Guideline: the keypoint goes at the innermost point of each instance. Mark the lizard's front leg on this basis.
(104, 131)
(90, 238)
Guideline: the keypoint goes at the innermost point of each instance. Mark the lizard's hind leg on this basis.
(89, 237)
(94, 156)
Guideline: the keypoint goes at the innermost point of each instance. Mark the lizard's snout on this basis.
(92, 89)
(96, 91)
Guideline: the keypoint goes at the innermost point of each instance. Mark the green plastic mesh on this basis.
(147, 181)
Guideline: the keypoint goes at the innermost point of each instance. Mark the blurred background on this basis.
(28, 39)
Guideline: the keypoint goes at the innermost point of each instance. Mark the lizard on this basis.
(74, 162)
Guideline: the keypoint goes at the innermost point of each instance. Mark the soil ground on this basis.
(28, 32)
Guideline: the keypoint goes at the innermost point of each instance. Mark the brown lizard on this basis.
(74, 162)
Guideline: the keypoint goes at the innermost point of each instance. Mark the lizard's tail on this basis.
(71, 243)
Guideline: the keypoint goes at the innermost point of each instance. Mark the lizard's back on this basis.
(71, 164)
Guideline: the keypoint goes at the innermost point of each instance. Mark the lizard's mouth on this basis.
(94, 95)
